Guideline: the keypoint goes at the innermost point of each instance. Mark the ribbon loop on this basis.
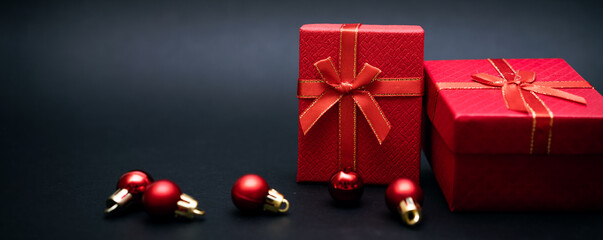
(525, 76)
(366, 75)
(327, 71)
(488, 79)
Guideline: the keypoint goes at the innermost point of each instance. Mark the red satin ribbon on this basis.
(519, 92)
(349, 89)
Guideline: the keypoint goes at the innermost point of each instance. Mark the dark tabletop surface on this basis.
(201, 93)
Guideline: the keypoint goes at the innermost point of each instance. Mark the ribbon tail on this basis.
(318, 108)
(554, 93)
(373, 114)
(514, 98)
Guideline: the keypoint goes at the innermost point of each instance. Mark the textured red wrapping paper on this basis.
(480, 150)
(398, 52)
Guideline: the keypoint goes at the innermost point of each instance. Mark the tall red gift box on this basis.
(359, 92)
(514, 135)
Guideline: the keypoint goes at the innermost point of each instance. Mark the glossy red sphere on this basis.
(401, 189)
(161, 198)
(134, 181)
(346, 186)
(249, 192)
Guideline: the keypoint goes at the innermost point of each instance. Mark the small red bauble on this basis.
(161, 198)
(405, 197)
(346, 186)
(135, 181)
(130, 187)
(251, 193)
(164, 198)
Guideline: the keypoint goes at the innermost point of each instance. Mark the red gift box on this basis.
(516, 134)
(359, 91)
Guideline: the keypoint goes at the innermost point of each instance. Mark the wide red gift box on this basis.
(514, 135)
(360, 107)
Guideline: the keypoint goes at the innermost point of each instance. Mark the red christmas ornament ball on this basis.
(134, 181)
(346, 186)
(161, 198)
(401, 189)
(249, 192)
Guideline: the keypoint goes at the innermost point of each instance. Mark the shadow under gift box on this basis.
(398, 52)
(480, 151)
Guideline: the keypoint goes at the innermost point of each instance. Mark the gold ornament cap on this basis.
(118, 200)
(276, 202)
(410, 211)
(187, 207)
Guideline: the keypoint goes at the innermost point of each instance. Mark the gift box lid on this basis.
(477, 120)
(395, 49)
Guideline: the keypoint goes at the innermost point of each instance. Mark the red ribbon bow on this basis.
(341, 88)
(517, 87)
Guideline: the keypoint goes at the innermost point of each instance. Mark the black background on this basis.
(203, 92)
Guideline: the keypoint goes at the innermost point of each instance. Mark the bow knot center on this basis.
(344, 87)
(516, 80)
